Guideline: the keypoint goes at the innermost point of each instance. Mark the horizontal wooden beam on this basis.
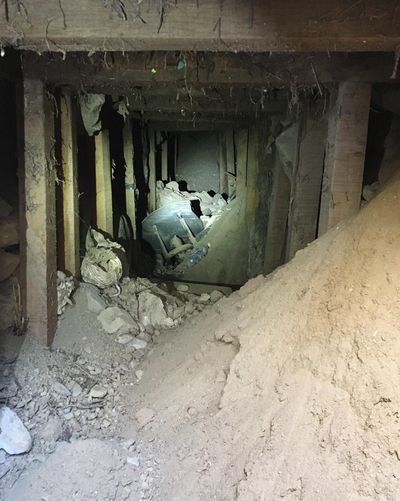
(163, 72)
(192, 25)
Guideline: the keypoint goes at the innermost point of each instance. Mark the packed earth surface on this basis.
(287, 389)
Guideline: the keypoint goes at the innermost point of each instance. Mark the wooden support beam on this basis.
(256, 200)
(345, 154)
(278, 196)
(164, 160)
(104, 207)
(69, 163)
(151, 204)
(233, 25)
(130, 181)
(306, 185)
(223, 172)
(131, 74)
(40, 212)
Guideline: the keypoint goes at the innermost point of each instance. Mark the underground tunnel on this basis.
(199, 250)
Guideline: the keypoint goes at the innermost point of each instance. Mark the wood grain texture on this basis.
(231, 25)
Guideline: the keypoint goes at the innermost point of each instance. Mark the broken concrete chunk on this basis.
(61, 389)
(204, 298)
(98, 392)
(95, 303)
(125, 338)
(115, 319)
(216, 296)
(182, 288)
(152, 312)
(144, 416)
(138, 344)
(14, 437)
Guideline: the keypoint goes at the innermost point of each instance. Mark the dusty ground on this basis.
(289, 389)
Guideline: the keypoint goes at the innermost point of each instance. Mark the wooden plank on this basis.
(164, 160)
(345, 154)
(151, 202)
(232, 25)
(130, 181)
(39, 187)
(204, 71)
(104, 207)
(306, 188)
(69, 163)
(223, 173)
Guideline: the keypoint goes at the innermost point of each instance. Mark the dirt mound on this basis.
(313, 395)
(310, 407)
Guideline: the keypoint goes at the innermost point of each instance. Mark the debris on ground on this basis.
(14, 437)
(102, 264)
(65, 287)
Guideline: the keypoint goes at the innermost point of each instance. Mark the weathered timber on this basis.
(189, 25)
(40, 212)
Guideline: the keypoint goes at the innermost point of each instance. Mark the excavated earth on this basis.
(289, 388)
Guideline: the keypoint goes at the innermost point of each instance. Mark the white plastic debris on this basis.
(102, 265)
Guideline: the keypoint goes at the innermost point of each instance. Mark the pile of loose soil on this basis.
(288, 389)
(310, 408)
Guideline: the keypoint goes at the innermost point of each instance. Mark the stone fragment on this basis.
(14, 437)
(152, 312)
(95, 303)
(144, 416)
(115, 319)
(125, 338)
(216, 296)
(133, 460)
(182, 288)
(139, 374)
(204, 298)
(98, 392)
(61, 389)
(76, 390)
(138, 344)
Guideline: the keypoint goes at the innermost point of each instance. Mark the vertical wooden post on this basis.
(40, 211)
(69, 161)
(164, 160)
(306, 187)
(345, 154)
(130, 181)
(152, 171)
(104, 209)
(223, 172)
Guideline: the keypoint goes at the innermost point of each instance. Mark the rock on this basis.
(216, 296)
(182, 288)
(115, 319)
(14, 437)
(144, 416)
(125, 338)
(98, 392)
(61, 389)
(138, 344)
(139, 375)
(133, 460)
(95, 303)
(144, 336)
(152, 312)
(76, 390)
(204, 298)
(69, 416)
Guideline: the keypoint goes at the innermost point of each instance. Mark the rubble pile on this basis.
(143, 308)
